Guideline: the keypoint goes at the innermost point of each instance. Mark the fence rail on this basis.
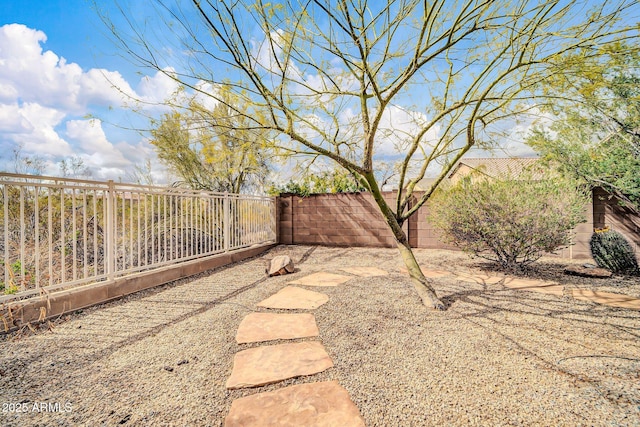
(58, 233)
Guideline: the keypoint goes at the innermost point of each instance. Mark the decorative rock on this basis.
(321, 279)
(270, 364)
(581, 270)
(257, 327)
(280, 265)
(607, 298)
(365, 271)
(325, 404)
(292, 298)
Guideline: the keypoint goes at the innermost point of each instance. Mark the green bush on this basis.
(337, 181)
(612, 251)
(510, 221)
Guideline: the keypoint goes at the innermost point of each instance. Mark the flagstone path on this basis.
(322, 279)
(291, 298)
(550, 288)
(328, 403)
(312, 404)
(257, 327)
(270, 364)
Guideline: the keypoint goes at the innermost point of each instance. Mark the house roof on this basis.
(491, 167)
(494, 167)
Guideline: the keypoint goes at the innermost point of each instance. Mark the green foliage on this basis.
(337, 181)
(14, 270)
(597, 135)
(612, 251)
(212, 149)
(509, 221)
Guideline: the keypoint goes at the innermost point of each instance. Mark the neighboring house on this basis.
(604, 210)
(489, 167)
(494, 167)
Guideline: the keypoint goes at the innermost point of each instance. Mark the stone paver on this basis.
(534, 286)
(481, 278)
(256, 327)
(324, 404)
(434, 274)
(270, 364)
(607, 298)
(292, 298)
(321, 279)
(365, 271)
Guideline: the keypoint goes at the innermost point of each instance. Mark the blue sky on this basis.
(57, 95)
(58, 75)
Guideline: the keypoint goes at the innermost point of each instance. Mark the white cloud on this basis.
(33, 127)
(203, 88)
(513, 142)
(13, 121)
(42, 98)
(35, 75)
(158, 88)
(89, 135)
(398, 127)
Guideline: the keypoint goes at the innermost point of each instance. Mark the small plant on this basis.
(11, 287)
(612, 251)
(336, 181)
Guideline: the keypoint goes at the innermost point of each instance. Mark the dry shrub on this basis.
(511, 221)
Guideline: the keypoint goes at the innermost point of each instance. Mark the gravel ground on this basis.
(495, 357)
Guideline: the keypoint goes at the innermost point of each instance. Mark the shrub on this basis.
(337, 181)
(612, 251)
(507, 220)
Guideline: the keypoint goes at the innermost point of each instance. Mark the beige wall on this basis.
(354, 220)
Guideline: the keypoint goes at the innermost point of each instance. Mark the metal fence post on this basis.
(109, 241)
(226, 227)
(5, 201)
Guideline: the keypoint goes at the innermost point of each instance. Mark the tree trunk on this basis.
(421, 284)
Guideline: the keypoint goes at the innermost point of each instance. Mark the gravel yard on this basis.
(496, 356)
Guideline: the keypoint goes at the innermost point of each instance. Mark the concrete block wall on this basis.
(354, 220)
(422, 233)
(348, 219)
(351, 219)
(581, 236)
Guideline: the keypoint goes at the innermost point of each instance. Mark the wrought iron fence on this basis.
(58, 233)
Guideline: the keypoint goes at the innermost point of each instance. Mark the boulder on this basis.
(583, 271)
(280, 265)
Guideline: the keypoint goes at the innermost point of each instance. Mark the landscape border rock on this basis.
(280, 265)
(582, 271)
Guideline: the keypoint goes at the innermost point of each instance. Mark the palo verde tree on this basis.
(344, 79)
(213, 148)
(596, 139)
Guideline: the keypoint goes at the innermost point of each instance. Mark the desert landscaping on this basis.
(496, 356)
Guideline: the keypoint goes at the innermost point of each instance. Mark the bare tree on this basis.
(345, 79)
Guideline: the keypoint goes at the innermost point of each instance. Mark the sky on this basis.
(63, 83)
(58, 69)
